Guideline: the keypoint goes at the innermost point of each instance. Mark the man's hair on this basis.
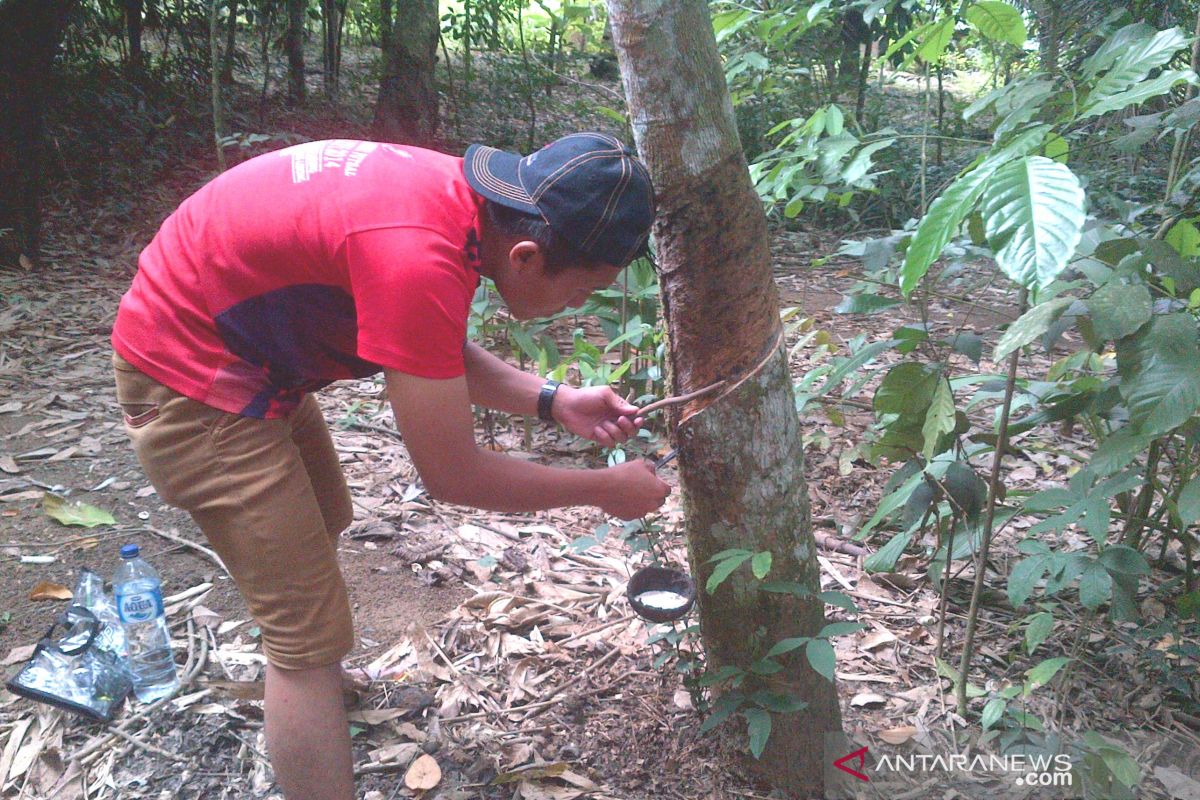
(558, 254)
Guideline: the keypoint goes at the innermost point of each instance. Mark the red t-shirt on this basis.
(322, 261)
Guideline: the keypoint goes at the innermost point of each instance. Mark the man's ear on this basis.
(525, 256)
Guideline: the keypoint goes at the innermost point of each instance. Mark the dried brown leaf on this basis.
(424, 774)
(898, 735)
(45, 590)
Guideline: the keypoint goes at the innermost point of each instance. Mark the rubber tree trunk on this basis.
(407, 109)
(741, 457)
(230, 43)
(30, 33)
(295, 50)
(133, 30)
(1050, 33)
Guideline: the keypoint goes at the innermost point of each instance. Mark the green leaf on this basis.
(1159, 378)
(908, 388)
(934, 44)
(1129, 55)
(1057, 148)
(840, 629)
(1117, 310)
(759, 729)
(1095, 586)
(968, 344)
(1189, 502)
(778, 702)
(1184, 236)
(885, 558)
(940, 417)
(821, 657)
(722, 709)
(998, 20)
(837, 599)
(865, 303)
(787, 646)
(1122, 766)
(1121, 559)
(1119, 450)
(947, 212)
(760, 565)
(1045, 671)
(1034, 213)
(1140, 93)
(1030, 325)
(1039, 627)
(1024, 577)
(73, 512)
(992, 712)
(723, 570)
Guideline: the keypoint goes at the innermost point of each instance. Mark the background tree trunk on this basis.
(330, 26)
(407, 110)
(385, 26)
(230, 44)
(1050, 33)
(133, 31)
(741, 459)
(295, 50)
(30, 33)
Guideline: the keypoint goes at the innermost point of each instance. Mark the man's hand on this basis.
(597, 413)
(634, 490)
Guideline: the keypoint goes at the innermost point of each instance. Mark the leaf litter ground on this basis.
(484, 641)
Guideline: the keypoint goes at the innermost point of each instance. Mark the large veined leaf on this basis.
(1030, 325)
(1118, 310)
(1138, 93)
(998, 20)
(1129, 56)
(947, 212)
(1033, 212)
(934, 44)
(1159, 377)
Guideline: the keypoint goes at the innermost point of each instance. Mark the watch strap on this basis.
(546, 400)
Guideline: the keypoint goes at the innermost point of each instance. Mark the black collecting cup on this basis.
(661, 594)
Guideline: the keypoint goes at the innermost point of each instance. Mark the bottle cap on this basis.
(129, 551)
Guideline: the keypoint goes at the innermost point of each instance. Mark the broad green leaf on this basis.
(1050, 500)
(1057, 148)
(840, 629)
(759, 729)
(1122, 766)
(992, 712)
(1095, 586)
(947, 212)
(935, 41)
(908, 388)
(1030, 325)
(1184, 236)
(1024, 577)
(865, 303)
(1139, 93)
(73, 512)
(787, 645)
(1124, 560)
(940, 417)
(1118, 310)
(760, 565)
(1129, 55)
(1039, 627)
(821, 657)
(1159, 377)
(726, 704)
(853, 363)
(969, 344)
(779, 702)
(1189, 502)
(723, 570)
(998, 20)
(885, 558)
(1119, 450)
(1045, 671)
(1034, 213)
(1097, 515)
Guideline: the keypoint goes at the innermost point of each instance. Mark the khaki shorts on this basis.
(269, 496)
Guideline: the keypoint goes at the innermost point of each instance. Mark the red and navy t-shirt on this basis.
(319, 262)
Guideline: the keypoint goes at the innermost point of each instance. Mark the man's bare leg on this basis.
(307, 733)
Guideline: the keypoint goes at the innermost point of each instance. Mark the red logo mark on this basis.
(861, 756)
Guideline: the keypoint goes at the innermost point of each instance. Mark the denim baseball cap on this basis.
(588, 187)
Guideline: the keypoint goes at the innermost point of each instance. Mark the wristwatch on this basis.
(546, 400)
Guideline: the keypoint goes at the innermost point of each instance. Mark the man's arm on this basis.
(596, 413)
(434, 418)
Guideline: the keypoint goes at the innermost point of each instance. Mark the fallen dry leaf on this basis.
(45, 590)
(867, 698)
(1180, 786)
(876, 638)
(423, 774)
(18, 655)
(898, 735)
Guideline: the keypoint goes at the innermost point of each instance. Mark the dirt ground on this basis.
(488, 642)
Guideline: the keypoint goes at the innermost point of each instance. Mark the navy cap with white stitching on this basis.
(588, 187)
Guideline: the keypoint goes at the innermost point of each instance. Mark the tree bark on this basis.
(295, 50)
(1050, 33)
(385, 25)
(330, 27)
(230, 44)
(407, 109)
(30, 34)
(133, 30)
(741, 456)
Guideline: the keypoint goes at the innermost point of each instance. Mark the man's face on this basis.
(530, 293)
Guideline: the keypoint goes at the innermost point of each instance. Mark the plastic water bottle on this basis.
(139, 604)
